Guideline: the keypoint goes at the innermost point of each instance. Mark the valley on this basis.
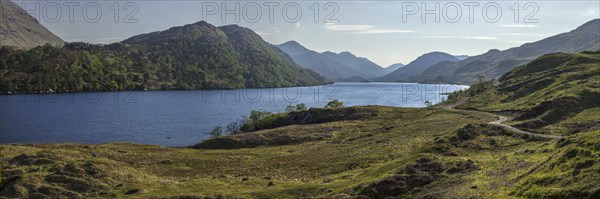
(176, 107)
(444, 151)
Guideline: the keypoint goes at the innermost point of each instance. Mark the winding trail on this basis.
(500, 121)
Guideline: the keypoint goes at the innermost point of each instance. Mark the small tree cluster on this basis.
(335, 104)
(298, 107)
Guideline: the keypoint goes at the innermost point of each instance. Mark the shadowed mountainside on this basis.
(417, 66)
(338, 67)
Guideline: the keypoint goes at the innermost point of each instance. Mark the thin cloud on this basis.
(461, 37)
(364, 29)
(522, 34)
(519, 26)
(261, 33)
(384, 31)
(520, 42)
(106, 40)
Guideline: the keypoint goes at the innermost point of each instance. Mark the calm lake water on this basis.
(179, 118)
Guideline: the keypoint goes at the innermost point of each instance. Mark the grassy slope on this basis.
(556, 93)
(354, 158)
(357, 152)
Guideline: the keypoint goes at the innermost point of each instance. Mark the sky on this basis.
(386, 32)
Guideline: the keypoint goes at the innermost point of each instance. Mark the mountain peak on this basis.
(436, 55)
(293, 48)
(346, 53)
(291, 42)
(23, 31)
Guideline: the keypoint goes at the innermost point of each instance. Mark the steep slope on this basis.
(495, 63)
(556, 93)
(393, 67)
(367, 68)
(417, 66)
(194, 56)
(309, 59)
(21, 30)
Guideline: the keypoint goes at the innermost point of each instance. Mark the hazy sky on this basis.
(385, 32)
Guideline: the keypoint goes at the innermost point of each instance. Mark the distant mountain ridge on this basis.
(361, 64)
(343, 66)
(21, 30)
(417, 66)
(461, 57)
(309, 59)
(494, 63)
(393, 67)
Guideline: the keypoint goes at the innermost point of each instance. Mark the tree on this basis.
(216, 132)
(290, 108)
(298, 107)
(256, 116)
(428, 103)
(234, 127)
(334, 104)
(301, 107)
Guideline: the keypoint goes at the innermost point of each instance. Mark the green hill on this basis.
(556, 93)
(194, 56)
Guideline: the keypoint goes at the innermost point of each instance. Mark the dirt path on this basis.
(500, 121)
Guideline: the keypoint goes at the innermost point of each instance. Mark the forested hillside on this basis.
(195, 56)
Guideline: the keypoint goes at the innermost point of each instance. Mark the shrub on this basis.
(334, 104)
(235, 126)
(216, 132)
(428, 103)
(290, 108)
(301, 107)
(298, 107)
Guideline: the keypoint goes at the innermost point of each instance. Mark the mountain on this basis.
(21, 30)
(495, 62)
(417, 66)
(461, 57)
(365, 67)
(194, 56)
(393, 67)
(325, 66)
(338, 67)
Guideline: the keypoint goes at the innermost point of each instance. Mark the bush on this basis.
(334, 104)
(298, 107)
(301, 107)
(216, 132)
(290, 108)
(235, 126)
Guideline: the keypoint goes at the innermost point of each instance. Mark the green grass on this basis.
(544, 94)
(356, 152)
